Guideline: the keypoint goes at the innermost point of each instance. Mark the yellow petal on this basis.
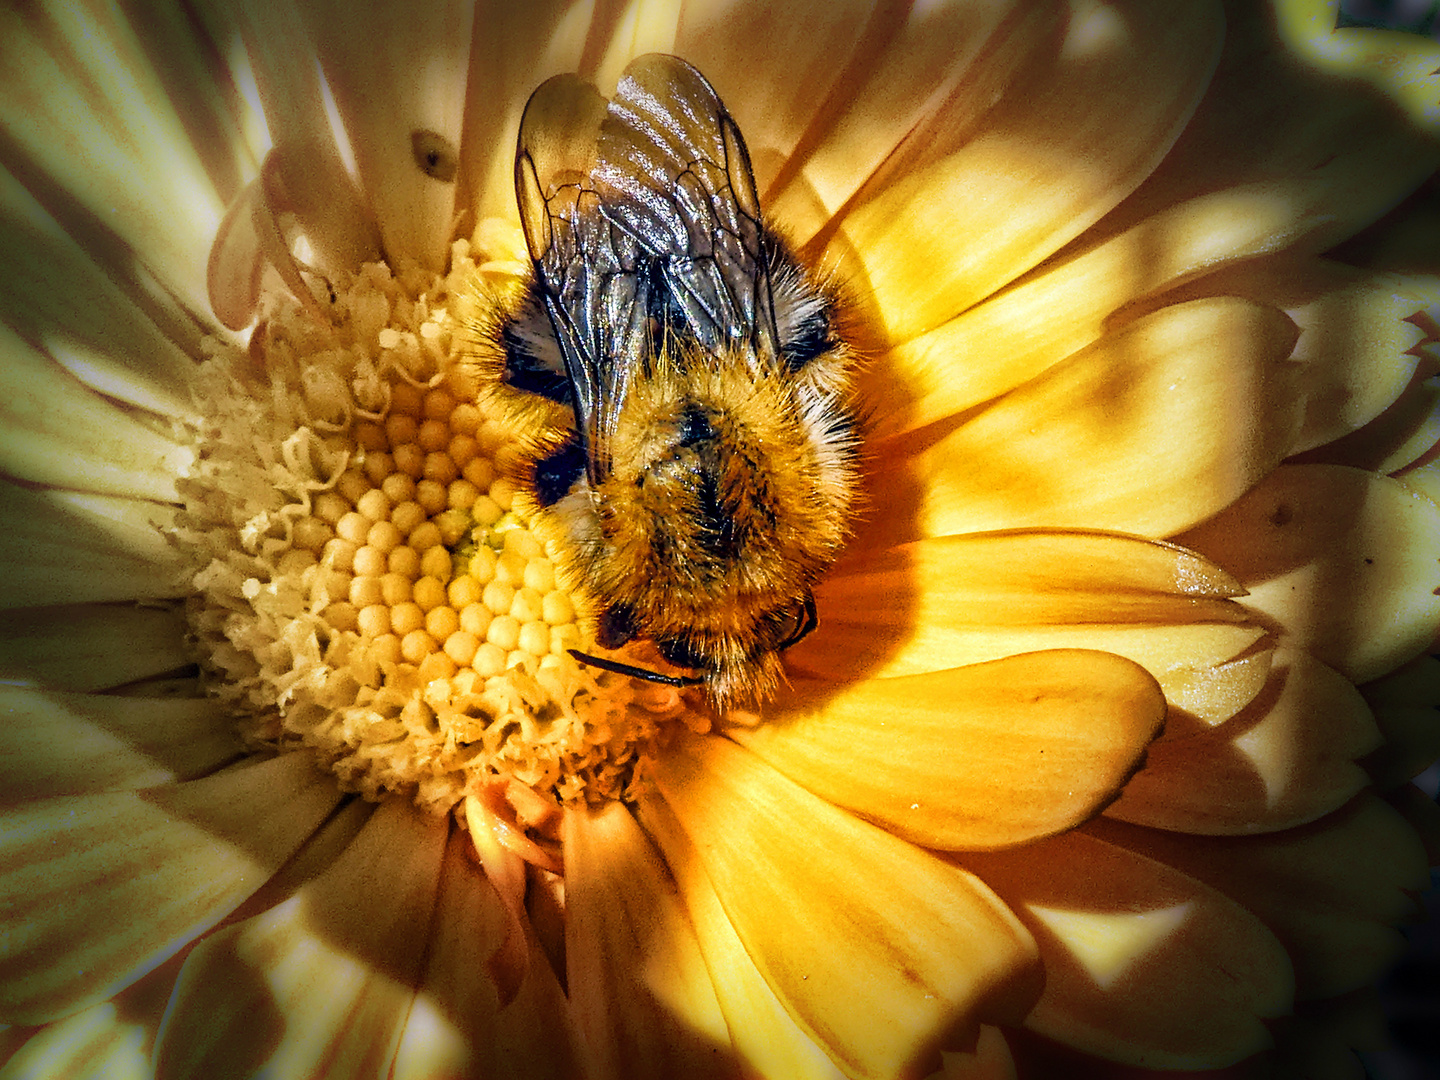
(1152, 429)
(457, 1026)
(1344, 561)
(1331, 891)
(91, 646)
(985, 756)
(395, 73)
(1143, 964)
(54, 743)
(1084, 126)
(84, 107)
(765, 1037)
(642, 994)
(1289, 757)
(322, 983)
(98, 889)
(879, 950)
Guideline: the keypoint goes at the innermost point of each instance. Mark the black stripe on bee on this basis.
(558, 472)
(526, 371)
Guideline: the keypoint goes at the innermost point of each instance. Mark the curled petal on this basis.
(1346, 562)
(1154, 428)
(91, 646)
(880, 951)
(323, 982)
(985, 756)
(1332, 890)
(98, 889)
(1288, 757)
(642, 993)
(1143, 964)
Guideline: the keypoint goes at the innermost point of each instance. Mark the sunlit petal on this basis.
(98, 889)
(324, 981)
(1044, 164)
(1345, 562)
(1154, 428)
(927, 950)
(55, 743)
(641, 991)
(1332, 891)
(978, 757)
(90, 646)
(1288, 757)
(1142, 964)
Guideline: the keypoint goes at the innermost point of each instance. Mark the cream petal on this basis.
(457, 1025)
(989, 1059)
(1154, 428)
(1331, 891)
(60, 433)
(1288, 758)
(64, 547)
(89, 116)
(90, 646)
(323, 982)
(879, 950)
(54, 743)
(98, 889)
(642, 995)
(398, 72)
(1405, 708)
(94, 1044)
(1344, 561)
(1403, 436)
(984, 757)
(765, 1037)
(1143, 964)
(1084, 127)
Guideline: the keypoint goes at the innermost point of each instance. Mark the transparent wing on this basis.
(672, 173)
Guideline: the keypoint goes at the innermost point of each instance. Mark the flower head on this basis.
(1100, 750)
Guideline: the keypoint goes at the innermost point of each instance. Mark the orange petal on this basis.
(322, 983)
(91, 646)
(1143, 964)
(985, 756)
(1332, 890)
(1347, 563)
(1152, 429)
(98, 889)
(1078, 133)
(641, 992)
(879, 950)
(1287, 758)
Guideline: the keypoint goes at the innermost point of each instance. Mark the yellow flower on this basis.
(1100, 755)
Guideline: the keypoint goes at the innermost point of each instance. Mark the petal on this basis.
(879, 950)
(1405, 708)
(395, 73)
(1344, 561)
(1143, 964)
(641, 991)
(1287, 758)
(54, 743)
(95, 890)
(1331, 890)
(457, 1025)
(64, 547)
(764, 1035)
(322, 983)
(91, 646)
(85, 114)
(985, 756)
(1154, 428)
(1078, 133)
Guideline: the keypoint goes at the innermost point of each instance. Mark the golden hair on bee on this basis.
(679, 380)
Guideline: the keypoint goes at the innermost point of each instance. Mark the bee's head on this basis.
(729, 493)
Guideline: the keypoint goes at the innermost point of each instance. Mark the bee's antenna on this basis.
(636, 672)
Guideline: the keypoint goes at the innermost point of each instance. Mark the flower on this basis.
(1127, 639)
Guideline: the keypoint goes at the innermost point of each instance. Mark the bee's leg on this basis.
(805, 626)
(636, 672)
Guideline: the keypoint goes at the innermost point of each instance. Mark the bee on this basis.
(679, 380)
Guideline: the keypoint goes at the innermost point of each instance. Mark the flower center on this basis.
(364, 586)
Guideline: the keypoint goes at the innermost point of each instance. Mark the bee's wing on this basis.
(585, 266)
(672, 172)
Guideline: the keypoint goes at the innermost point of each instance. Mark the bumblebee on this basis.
(677, 380)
